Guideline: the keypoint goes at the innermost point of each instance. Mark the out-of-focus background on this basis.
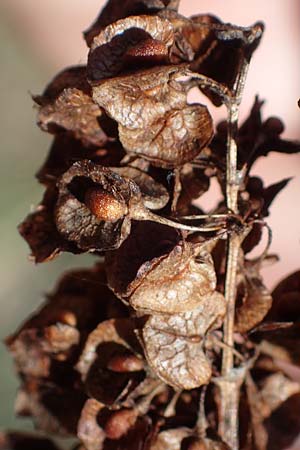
(37, 39)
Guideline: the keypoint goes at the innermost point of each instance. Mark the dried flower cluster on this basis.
(130, 354)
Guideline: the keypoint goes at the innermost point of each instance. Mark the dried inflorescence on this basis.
(130, 354)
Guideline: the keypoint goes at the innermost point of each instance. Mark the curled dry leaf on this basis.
(226, 46)
(34, 349)
(154, 195)
(194, 183)
(173, 344)
(286, 300)
(194, 37)
(97, 218)
(112, 47)
(40, 232)
(154, 119)
(112, 339)
(255, 302)
(74, 111)
(56, 332)
(172, 141)
(114, 11)
(255, 138)
(123, 277)
(283, 342)
(136, 100)
(96, 204)
(174, 283)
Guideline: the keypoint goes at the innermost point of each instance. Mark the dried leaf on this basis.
(111, 339)
(142, 98)
(95, 204)
(40, 232)
(154, 194)
(123, 277)
(84, 223)
(174, 283)
(154, 119)
(256, 200)
(255, 138)
(114, 11)
(283, 342)
(110, 47)
(173, 344)
(176, 139)
(75, 111)
(33, 349)
(194, 36)
(229, 46)
(254, 305)
(194, 183)
(59, 328)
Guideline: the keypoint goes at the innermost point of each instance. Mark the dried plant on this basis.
(172, 340)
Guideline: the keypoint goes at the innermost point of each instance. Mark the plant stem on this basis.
(230, 381)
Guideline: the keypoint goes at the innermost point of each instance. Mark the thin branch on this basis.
(230, 385)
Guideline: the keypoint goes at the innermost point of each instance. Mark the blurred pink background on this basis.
(50, 32)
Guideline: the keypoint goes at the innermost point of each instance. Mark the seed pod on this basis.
(173, 344)
(155, 122)
(113, 338)
(109, 49)
(175, 282)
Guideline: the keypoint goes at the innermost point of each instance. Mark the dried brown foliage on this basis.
(130, 354)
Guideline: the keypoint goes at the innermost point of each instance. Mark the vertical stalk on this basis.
(231, 378)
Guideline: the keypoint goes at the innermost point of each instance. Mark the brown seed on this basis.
(197, 445)
(104, 205)
(149, 49)
(68, 317)
(125, 363)
(119, 423)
